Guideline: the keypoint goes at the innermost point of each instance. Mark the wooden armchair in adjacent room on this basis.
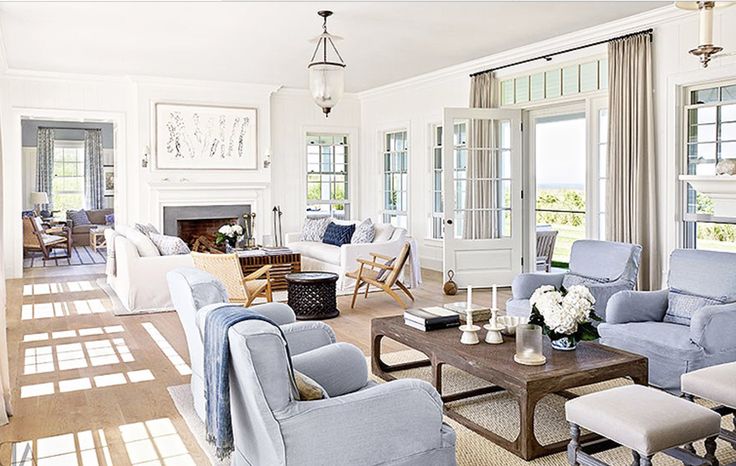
(383, 275)
(38, 238)
(240, 289)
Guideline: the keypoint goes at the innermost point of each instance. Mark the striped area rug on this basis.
(81, 255)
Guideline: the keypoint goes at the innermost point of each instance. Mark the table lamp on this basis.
(37, 199)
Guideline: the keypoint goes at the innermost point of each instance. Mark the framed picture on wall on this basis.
(108, 175)
(200, 137)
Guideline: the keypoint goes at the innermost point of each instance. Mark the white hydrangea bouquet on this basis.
(565, 315)
(229, 234)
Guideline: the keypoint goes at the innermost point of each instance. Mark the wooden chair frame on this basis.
(33, 239)
(241, 289)
(370, 270)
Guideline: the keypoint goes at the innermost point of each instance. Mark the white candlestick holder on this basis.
(494, 336)
(470, 334)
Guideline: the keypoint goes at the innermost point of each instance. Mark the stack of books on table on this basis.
(431, 318)
(460, 308)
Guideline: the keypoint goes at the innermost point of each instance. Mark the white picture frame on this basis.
(108, 178)
(205, 137)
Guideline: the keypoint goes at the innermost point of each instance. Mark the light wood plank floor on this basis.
(88, 384)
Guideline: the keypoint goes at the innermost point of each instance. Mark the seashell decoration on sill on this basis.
(726, 167)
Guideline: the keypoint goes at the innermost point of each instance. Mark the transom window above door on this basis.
(327, 175)
(396, 178)
(68, 181)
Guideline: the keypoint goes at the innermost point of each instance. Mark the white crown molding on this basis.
(63, 76)
(644, 20)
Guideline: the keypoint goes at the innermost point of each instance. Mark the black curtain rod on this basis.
(549, 56)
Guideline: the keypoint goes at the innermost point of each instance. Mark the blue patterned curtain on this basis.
(45, 164)
(94, 188)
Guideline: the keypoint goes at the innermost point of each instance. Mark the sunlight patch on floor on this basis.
(85, 448)
(85, 383)
(44, 310)
(95, 353)
(82, 332)
(155, 442)
(168, 350)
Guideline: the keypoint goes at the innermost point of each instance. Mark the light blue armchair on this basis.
(604, 267)
(689, 326)
(361, 423)
(358, 423)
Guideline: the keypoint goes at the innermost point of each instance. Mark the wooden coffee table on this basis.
(590, 363)
(282, 264)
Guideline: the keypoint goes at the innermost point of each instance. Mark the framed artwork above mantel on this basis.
(205, 137)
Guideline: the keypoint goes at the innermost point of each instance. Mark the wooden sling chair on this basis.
(240, 289)
(383, 276)
(36, 238)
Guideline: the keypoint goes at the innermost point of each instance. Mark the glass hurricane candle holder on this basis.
(529, 345)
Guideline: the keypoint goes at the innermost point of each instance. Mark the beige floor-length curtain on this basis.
(631, 205)
(481, 194)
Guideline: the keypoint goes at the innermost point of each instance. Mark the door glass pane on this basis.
(561, 172)
(483, 188)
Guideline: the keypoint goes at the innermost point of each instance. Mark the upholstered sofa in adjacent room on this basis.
(80, 231)
(316, 255)
(688, 326)
(136, 270)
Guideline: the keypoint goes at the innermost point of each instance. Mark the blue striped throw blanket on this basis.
(216, 372)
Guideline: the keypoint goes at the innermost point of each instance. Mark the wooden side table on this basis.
(97, 238)
(281, 264)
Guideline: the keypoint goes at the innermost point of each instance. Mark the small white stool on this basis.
(645, 420)
(715, 383)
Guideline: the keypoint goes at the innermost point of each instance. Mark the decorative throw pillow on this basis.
(146, 229)
(142, 242)
(572, 279)
(384, 232)
(314, 229)
(110, 219)
(383, 274)
(681, 306)
(338, 234)
(364, 233)
(169, 245)
(309, 390)
(78, 217)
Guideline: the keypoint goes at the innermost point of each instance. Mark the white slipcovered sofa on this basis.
(137, 272)
(318, 256)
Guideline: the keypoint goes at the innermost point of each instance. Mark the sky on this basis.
(560, 147)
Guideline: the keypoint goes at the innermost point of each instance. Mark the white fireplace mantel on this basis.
(204, 193)
(720, 188)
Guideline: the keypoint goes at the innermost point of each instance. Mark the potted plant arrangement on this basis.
(229, 234)
(565, 315)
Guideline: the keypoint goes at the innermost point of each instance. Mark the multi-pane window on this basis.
(436, 218)
(602, 170)
(395, 178)
(710, 138)
(327, 176)
(565, 81)
(68, 183)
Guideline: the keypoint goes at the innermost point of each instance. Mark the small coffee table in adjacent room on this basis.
(312, 295)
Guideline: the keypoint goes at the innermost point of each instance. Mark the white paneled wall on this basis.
(293, 115)
(417, 104)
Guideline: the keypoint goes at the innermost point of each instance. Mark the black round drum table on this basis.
(312, 295)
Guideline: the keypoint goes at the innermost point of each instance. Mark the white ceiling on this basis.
(269, 42)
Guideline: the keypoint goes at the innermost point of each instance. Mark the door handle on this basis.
(448, 221)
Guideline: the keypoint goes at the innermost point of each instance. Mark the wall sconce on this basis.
(706, 49)
(146, 155)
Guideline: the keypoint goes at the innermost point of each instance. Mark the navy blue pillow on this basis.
(338, 234)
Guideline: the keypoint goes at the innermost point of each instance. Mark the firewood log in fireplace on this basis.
(204, 244)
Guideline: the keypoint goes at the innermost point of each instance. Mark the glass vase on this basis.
(529, 344)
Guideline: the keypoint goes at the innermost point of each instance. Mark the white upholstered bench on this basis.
(645, 420)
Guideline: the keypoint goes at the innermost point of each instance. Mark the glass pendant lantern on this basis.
(326, 69)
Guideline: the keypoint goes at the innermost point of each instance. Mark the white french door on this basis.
(482, 157)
